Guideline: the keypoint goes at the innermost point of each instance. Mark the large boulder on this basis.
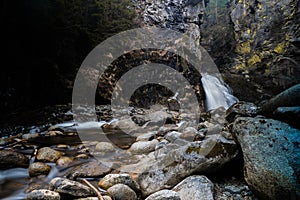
(163, 172)
(271, 154)
(11, 159)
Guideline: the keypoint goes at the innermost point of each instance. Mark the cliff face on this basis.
(267, 36)
(178, 15)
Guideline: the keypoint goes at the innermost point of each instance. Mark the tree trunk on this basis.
(288, 98)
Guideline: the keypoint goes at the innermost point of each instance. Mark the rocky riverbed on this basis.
(245, 156)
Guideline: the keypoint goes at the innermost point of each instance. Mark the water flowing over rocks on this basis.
(38, 168)
(271, 156)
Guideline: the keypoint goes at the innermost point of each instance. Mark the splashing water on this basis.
(217, 93)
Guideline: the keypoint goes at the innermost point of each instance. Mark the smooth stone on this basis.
(47, 154)
(73, 188)
(12, 159)
(112, 179)
(104, 147)
(64, 161)
(146, 137)
(90, 170)
(271, 153)
(96, 198)
(38, 168)
(82, 156)
(164, 195)
(194, 188)
(121, 192)
(141, 147)
(42, 195)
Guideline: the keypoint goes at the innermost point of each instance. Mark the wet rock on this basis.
(38, 168)
(104, 147)
(271, 155)
(164, 195)
(30, 136)
(194, 188)
(64, 161)
(73, 188)
(43, 195)
(12, 159)
(47, 154)
(90, 169)
(113, 179)
(121, 192)
(82, 156)
(141, 147)
(162, 172)
(241, 109)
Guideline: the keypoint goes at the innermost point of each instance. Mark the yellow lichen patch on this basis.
(254, 60)
(280, 48)
(240, 66)
(267, 71)
(244, 47)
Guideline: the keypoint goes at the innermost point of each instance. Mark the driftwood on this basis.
(287, 98)
(100, 197)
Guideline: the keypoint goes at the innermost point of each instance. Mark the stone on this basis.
(146, 137)
(38, 168)
(172, 136)
(113, 179)
(241, 109)
(90, 170)
(28, 136)
(141, 147)
(12, 159)
(154, 173)
(104, 147)
(64, 161)
(42, 195)
(189, 133)
(95, 198)
(271, 157)
(163, 130)
(194, 188)
(69, 187)
(47, 154)
(121, 192)
(164, 195)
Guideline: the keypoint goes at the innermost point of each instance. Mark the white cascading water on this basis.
(217, 93)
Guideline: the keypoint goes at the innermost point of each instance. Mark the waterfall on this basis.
(217, 93)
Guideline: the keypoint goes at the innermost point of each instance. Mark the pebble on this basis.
(104, 147)
(64, 161)
(141, 147)
(38, 168)
(43, 195)
(121, 192)
(47, 154)
(113, 179)
(164, 195)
